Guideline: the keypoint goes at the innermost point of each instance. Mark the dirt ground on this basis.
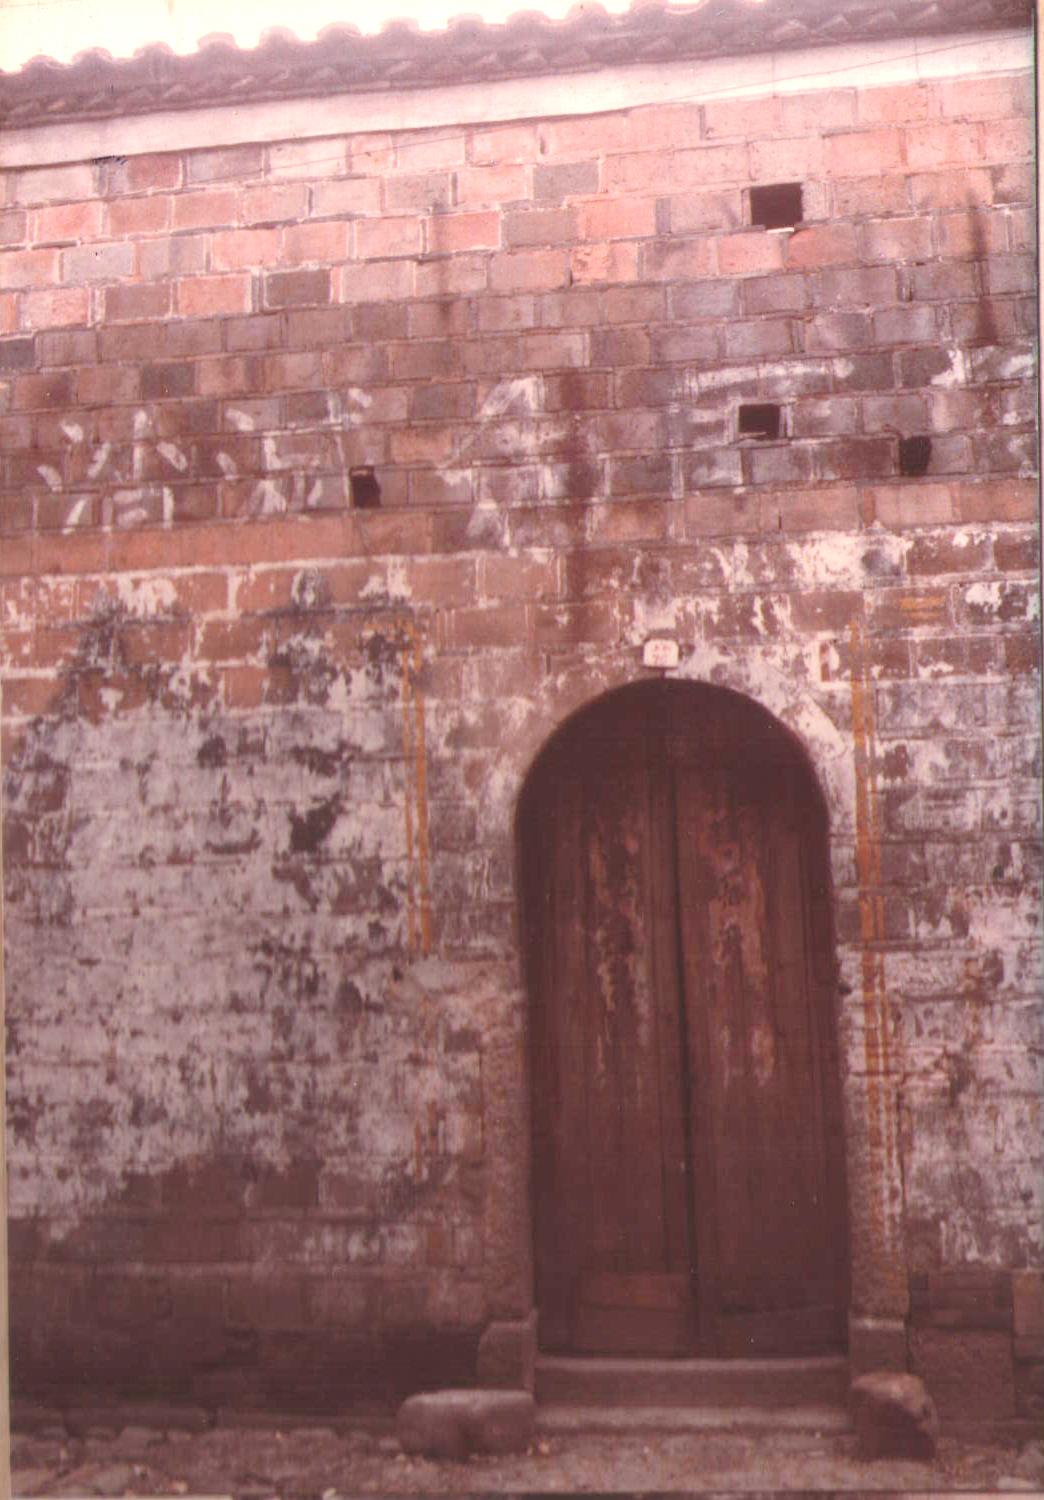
(335, 1463)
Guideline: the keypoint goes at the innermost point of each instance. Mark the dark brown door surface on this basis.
(688, 1171)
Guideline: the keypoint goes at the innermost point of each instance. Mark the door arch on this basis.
(688, 1156)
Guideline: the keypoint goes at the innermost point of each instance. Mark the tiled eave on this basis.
(342, 60)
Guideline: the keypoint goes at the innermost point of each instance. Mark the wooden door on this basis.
(688, 1177)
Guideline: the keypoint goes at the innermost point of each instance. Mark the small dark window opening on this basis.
(914, 456)
(776, 207)
(762, 420)
(366, 492)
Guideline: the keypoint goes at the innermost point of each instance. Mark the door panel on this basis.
(688, 1172)
(609, 1134)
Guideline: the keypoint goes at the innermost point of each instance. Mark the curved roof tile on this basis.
(343, 60)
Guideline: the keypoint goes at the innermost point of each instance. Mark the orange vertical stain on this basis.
(415, 758)
(421, 787)
(407, 756)
(881, 1111)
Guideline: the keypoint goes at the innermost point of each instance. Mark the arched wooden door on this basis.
(688, 1168)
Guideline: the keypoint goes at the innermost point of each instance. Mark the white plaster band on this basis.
(863, 65)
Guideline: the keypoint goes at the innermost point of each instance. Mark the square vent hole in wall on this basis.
(760, 419)
(365, 491)
(777, 206)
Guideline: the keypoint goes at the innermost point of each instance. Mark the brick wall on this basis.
(263, 745)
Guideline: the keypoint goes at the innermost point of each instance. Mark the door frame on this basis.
(737, 716)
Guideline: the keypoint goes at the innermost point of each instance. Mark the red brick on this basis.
(430, 192)
(205, 296)
(138, 301)
(674, 171)
(1012, 183)
(980, 98)
(95, 263)
(230, 640)
(29, 697)
(1010, 273)
(48, 390)
(239, 249)
(14, 225)
(104, 386)
(540, 227)
(495, 184)
(449, 232)
(750, 253)
(826, 109)
(777, 465)
(745, 118)
(52, 184)
(756, 338)
(133, 216)
(563, 625)
(863, 153)
(296, 288)
(614, 260)
(591, 133)
(1022, 654)
(905, 103)
(326, 241)
(971, 233)
(446, 275)
(965, 188)
(274, 203)
(224, 163)
(853, 197)
(822, 245)
(538, 270)
(371, 153)
(16, 557)
(906, 324)
(845, 289)
(179, 255)
(897, 239)
(287, 371)
(318, 156)
(911, 504)
(377, 238)
(66, 221)
(422, 444)
(428, 151)
(377, 282)
(677, 260)
(206, 209)
(554, 182)
(577, 391)
(139, 174)
(812, 510)
(781, 160)
(706, 211)
(440, 319)
(349, 196)
(72, 552)
(28, 268)
(930, 146)
(617, 218)
(55, 309)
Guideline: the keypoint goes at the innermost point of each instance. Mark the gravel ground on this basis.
(321, 1463)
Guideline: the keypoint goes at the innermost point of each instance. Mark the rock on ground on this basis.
(452, 1424)
(894, 1416)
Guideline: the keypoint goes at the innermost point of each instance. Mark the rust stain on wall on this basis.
(879, 1062)
(415, 806)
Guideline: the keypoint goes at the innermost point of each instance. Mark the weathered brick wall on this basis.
(263, 748)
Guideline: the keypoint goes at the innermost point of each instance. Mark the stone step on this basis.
(565, 1421)
(770, 1384)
